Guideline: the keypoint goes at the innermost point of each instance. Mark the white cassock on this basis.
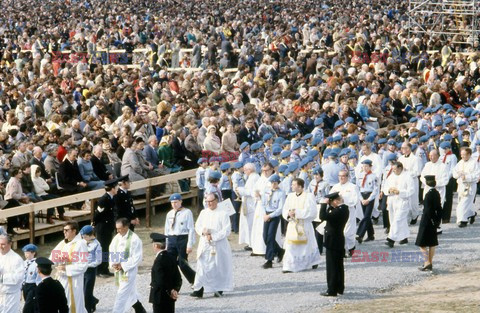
(128, 251)
(11, 272)
(412, 164)
(214, 259)
(467, 187)
(440, 171)
(299, 257)
(351, 198)
(76, 265)
(247, 211)
(398, 205)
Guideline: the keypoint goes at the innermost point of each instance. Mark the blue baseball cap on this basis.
(237, 165)
(31, 247)
(423, 138)
(267, 137)
(243, 145)
(224, 166)
(274, 178)
(276, 150)
(175, 197)
(87, 229)
(338, 123)
(445, 145)
(285, 154)
(392, 157)
(215, 175)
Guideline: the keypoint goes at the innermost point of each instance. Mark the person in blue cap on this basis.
(225, 181)
(49, 294)
(272, 201)
(331, 169)
(317, 132)
(421, 151)
(30, 278)
(244, 151)
(166, 279)
(295, 156)
(305, 166)
(213, 186)
(180, 229)
(237, 181)
(368, 185)
(94, 260)
(200, 179)
(214, 165)
(267, 145)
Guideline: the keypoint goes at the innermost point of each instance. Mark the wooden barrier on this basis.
(87, 215)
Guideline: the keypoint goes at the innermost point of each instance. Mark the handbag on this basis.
(295, 234)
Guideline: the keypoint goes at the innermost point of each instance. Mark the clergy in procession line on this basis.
(214, 255)
(351, 197)
(247, 209)
(399, 189)
(11, 274)
(49, 294)
(411, 164)
(71, 266)
(126, 253)
(261, 186)
(272, 202)
(166, 279)
(391, 159)
(466, 172)
(335, 213)
(300, 209)
(180, 229)
(368, 184)
(448, 158)
(431, 218)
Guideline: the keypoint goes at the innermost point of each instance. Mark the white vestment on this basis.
(11, 274)
(72, 254)
(398, 205)
(247, 211)
(351, 198)
(412, 165)
(467, 187)
(214, 259)
(440, 171)
(299, 257)
(128, 251)
(257, 242)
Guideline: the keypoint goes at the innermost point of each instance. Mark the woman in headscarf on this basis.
(212, 142)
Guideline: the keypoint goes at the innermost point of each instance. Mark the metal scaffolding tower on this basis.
(455, 19)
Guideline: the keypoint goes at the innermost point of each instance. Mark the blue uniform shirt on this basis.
(272, 201)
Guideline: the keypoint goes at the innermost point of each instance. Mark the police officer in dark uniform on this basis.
(124, 203)
(166, 278)
(336, 216)
(49, 294)
(104, 222)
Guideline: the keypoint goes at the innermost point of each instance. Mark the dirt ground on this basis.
(457, 291)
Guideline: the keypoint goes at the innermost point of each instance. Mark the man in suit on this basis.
(248, 133)
(69, 175)
(99, 167)
(104, 222)
(336, 217)
(124, 203)
(37, 160)
(180, 153)
(49, 289)
(166, 278)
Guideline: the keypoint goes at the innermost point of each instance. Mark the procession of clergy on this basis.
(278, 202)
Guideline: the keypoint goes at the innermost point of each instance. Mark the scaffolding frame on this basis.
(455, 19)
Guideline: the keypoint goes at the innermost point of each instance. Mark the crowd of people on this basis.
(270, 100)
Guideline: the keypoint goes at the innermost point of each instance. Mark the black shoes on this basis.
(445, 221)
(218, 294)
(197, 294)
(314, 267)
(404, 241)
(280, 255)
(328, 294)
(267, 264)
(462, 224)
(359, 239)
(425, 268)
(285, 272)
(370, 239)
(390, 243)
(414, 221)
(375, 220)
(472, 218)
(247, 248)
(439, 231)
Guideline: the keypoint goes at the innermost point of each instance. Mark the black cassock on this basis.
(432, 214)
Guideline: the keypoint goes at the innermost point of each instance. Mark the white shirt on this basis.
(183, 225)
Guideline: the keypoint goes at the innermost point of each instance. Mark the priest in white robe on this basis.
(301, 250)
(71, 259)
(412, 164)
(351, 198)
(11, 274)
(126, 254)
(262, 184)
(466, 172)
(438, 169)
(247, 209)
(214, 255)
(399, 189)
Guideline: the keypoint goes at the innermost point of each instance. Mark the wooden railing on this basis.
(147, 184)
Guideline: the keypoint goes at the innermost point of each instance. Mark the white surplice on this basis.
(214, 259)
(398, 205)
(351, 198)
(127, 294)
(440, 171)
(299, 257)
(247, 212)
(467, 187)
(412, 164)
(75, 266)
(11, 272)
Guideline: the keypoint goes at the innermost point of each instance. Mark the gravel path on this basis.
(258, 290)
